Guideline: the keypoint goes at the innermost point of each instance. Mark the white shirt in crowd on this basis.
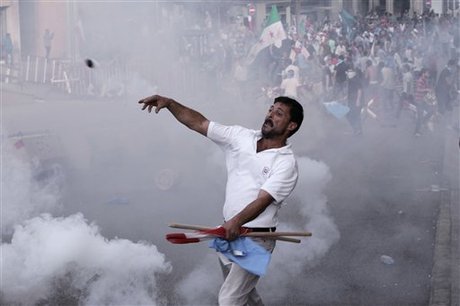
(290, 85)
(408, 83)
(294, 68)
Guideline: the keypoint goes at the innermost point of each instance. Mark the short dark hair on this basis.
(296, 111)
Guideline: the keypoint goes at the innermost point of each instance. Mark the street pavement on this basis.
(446, 267)
(392, 194)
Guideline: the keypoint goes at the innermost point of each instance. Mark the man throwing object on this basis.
(262, 172)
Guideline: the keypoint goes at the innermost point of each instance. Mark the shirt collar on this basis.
(283, 150)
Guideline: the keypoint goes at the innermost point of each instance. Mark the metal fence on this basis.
(70, 76)
(106, 79)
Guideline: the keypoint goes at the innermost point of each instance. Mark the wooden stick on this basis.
(287, 239)
(192, 238)
(250, 234)
(190, 227)
(278, 234)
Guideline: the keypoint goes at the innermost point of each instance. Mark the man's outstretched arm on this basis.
(187, 116)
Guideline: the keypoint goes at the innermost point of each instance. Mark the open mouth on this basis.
(268, 122)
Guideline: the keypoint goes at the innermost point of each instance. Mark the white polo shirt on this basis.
(273, 170)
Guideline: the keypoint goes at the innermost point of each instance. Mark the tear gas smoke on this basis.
(47, 254)
(23, 197)
(61, 259)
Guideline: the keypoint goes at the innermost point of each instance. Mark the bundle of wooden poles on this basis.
(201, 233)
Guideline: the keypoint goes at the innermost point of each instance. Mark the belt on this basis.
(262, 229)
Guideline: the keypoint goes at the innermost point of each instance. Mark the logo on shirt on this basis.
(265, 171)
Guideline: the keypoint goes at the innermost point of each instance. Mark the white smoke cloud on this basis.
(310, 203)
(65, 260)
(45, 249)
(201, 286)
(22, 197)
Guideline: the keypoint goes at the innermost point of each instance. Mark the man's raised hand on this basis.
(156, 101)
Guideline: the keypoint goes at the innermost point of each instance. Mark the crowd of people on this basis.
(378, 64)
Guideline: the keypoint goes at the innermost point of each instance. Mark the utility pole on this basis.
(297, 15)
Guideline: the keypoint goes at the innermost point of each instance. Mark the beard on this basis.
(267, 129)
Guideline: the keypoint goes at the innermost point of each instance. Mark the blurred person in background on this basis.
(446, 92)
(355, 99)
(423, 102)
(340, 73)
(290, 85)
(372, 79)
(387, 87)
(407, 94)
(7, 47)
(47, 40)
